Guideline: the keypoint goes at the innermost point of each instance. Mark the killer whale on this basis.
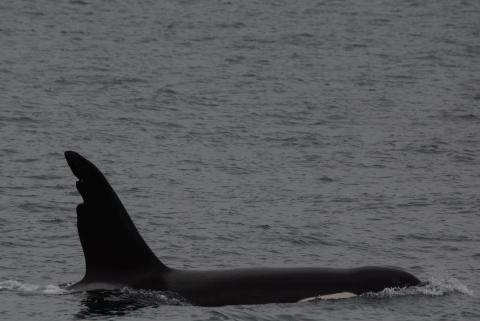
(116, 256)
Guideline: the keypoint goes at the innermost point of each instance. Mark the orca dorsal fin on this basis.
(110, 241)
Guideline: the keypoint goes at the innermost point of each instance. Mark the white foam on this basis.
(14, 285)
(154, 297)
(434, 287)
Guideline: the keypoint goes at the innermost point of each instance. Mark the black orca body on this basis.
(116, 256)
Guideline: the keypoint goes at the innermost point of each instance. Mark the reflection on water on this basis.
(120, 302)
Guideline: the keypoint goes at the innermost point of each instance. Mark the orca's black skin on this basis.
(116, 256)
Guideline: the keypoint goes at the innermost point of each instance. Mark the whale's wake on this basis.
(434, 287)
(22, 287)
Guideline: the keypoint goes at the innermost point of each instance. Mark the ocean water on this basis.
(240, 134)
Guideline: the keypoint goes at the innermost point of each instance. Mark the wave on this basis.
(17, 286)
(433, 287)
(150, 297)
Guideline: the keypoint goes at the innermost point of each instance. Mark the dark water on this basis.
(245, 133)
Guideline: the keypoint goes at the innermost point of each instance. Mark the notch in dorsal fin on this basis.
(110, 241)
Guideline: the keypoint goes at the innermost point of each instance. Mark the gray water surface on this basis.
(245, 133)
